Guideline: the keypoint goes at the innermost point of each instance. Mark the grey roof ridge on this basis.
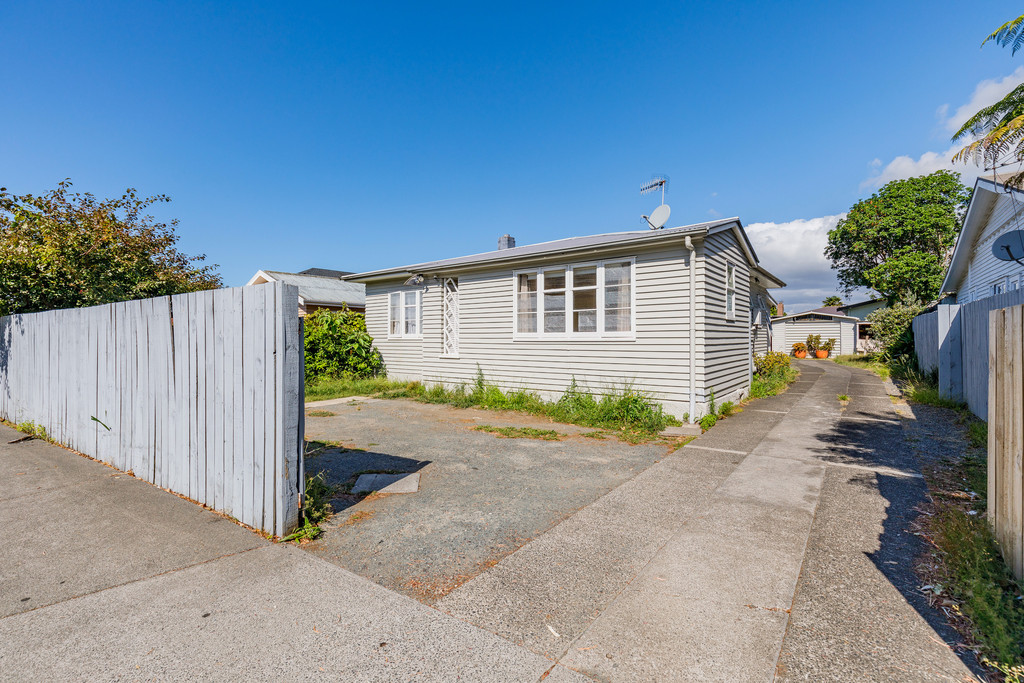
(501, 255)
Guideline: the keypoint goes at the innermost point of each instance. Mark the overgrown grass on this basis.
(343, 388)
(520, 432)
(979, 578)
(634, 415)
(763, 386)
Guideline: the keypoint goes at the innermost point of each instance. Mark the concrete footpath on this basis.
(774, 546)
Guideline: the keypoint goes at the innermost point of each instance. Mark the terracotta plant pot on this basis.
(800, 354)
(821, 353)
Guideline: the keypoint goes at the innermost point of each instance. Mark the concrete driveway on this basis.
(481, 497)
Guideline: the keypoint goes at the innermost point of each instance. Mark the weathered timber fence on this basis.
(197, 393)
(960, 343)
(926, 341)
(1006, 433)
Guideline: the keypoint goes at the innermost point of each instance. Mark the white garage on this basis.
(790, 329)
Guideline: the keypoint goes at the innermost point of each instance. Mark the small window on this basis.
(404, 314)
(730, 291)
(584, 299)
(997, 288)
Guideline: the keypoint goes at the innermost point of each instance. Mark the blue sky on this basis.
(363, 135)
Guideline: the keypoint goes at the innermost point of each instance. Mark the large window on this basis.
(589, 300)
(404, 314)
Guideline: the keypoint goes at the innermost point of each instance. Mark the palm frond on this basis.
(995, 115)
(1010, 32)
(1003, 143)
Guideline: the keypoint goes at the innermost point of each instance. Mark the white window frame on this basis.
(403, 302)
(730, 269)
(600, 334)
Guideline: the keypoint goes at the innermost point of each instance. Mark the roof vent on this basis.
(506, 242)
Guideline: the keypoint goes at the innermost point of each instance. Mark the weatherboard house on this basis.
(674, 312)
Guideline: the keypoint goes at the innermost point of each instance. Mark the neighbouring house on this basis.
(866, 343)
(672, 312)
(319, 288)
(974, 271)
(951, 338)
(826, 321)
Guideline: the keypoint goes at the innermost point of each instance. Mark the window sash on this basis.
(405, 312)
(594, 300)
(730, 291)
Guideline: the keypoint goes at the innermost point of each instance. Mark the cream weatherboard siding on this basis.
(724, 365)
(655, 361)
(984, 270)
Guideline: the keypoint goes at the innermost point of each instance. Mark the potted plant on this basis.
(800, 350)
(826, 349)
(813, 344)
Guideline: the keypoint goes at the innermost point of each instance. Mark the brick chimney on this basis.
(506, 242)
(780, 309)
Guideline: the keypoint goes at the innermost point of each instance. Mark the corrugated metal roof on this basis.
(541, 248)
(315, 289)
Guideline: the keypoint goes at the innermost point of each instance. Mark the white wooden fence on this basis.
(959, 344)
(1006, 433)
(197, 393)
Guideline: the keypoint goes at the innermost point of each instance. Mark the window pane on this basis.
(616, 273)
(617, 320)
(730, 303)
(584, 277)
(411, 320)
(554, 279)
(527, 322)
(584, 321)
(730, 275)
(614, 297)
(396, 313)
(554, 322)
(584, 300)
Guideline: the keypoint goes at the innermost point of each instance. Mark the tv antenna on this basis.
(660, 215)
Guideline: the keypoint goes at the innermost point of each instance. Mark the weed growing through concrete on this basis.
(316, 508)
(520, 432)
(32, 429)
(843, 398)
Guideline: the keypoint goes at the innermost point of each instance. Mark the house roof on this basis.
(589, 243)
(826, 310)
(318, 289)
(986, 192)
(324, 272)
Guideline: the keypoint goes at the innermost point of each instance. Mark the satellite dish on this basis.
(1009, 246)
(658, 217)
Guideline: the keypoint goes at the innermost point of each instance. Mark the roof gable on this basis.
(979, 213)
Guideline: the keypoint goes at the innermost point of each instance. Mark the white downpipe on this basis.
(693, 330)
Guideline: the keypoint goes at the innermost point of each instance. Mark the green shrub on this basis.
(771, 363)
(337, 345)
(726, 409)
(708, 421)
(891, 326)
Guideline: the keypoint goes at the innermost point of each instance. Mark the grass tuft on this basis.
(520, 432)
(872, 362)
(763, 386)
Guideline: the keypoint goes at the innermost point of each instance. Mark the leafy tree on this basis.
(999, 128)
(832, 301)
(898, 241)
(66, 250)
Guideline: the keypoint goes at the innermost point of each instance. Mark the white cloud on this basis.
(985, 93)
(795, 252)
